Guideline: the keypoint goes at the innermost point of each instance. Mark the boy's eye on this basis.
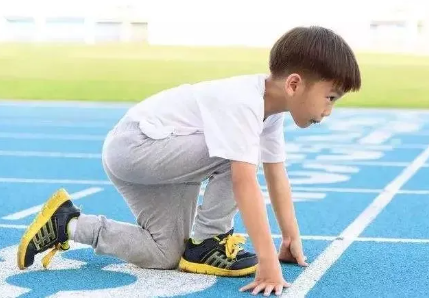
(331, 98)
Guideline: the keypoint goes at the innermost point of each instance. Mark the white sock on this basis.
(71, 227)
(196, 241)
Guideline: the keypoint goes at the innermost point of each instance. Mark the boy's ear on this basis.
(292, 84)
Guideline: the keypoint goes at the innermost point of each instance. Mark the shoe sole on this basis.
(48, 209)
(211, 270)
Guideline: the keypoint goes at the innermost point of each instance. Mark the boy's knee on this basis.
(170, 257)
(165, 259)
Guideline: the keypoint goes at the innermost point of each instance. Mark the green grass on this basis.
(123, 72)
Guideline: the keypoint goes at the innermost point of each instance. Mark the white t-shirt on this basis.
(229, 112)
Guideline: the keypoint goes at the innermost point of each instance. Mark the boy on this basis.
(161, 151)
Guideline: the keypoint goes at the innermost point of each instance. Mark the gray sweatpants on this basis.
(160, 181)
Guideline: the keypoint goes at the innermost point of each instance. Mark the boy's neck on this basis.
(275, 98)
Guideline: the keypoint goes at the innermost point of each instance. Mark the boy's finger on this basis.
(248, 287)
(258, 288)
(301, 260)
(268, 290)
(279, 290)
(286, 284)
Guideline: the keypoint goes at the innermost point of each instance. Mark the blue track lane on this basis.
(336, 169)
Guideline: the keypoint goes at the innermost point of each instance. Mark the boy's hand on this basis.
(291, 251)
(268, 278)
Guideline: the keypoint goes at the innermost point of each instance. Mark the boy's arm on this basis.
(281, 200)
(249, 199)
(252, 208)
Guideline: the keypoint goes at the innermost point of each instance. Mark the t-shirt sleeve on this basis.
(272, 141)
(232, 131)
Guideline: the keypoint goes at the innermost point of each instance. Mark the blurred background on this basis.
(127, 50)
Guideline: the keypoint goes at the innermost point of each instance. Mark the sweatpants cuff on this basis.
(86, 228)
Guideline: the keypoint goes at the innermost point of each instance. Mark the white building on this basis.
(377, 25)
(72, 20)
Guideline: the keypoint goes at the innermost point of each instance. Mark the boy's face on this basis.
(311, 103)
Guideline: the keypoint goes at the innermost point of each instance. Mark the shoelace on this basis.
(49, 256)
(232, 245)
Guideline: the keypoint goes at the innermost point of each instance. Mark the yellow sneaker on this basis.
(221, 255)
(48, 230)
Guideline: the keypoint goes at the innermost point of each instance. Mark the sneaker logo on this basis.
(45, 235)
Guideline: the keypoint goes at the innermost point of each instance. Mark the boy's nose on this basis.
(327, 112)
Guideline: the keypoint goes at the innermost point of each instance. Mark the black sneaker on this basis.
(48, 230)
(221, 255)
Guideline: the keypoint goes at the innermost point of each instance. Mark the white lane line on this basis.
(354, 163)
(57, 123)
(377, 137)
(303, 237)
(75, 196)
(50, 154)
(359, 239)
(61, 103)
(19, 227)
(352, 144)
(54, 181)
(335, 189)
(40, 136)
(359, 190)
(393, 240)
(414, 192)
(306, 280)
(363, 239)
(320, 238)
